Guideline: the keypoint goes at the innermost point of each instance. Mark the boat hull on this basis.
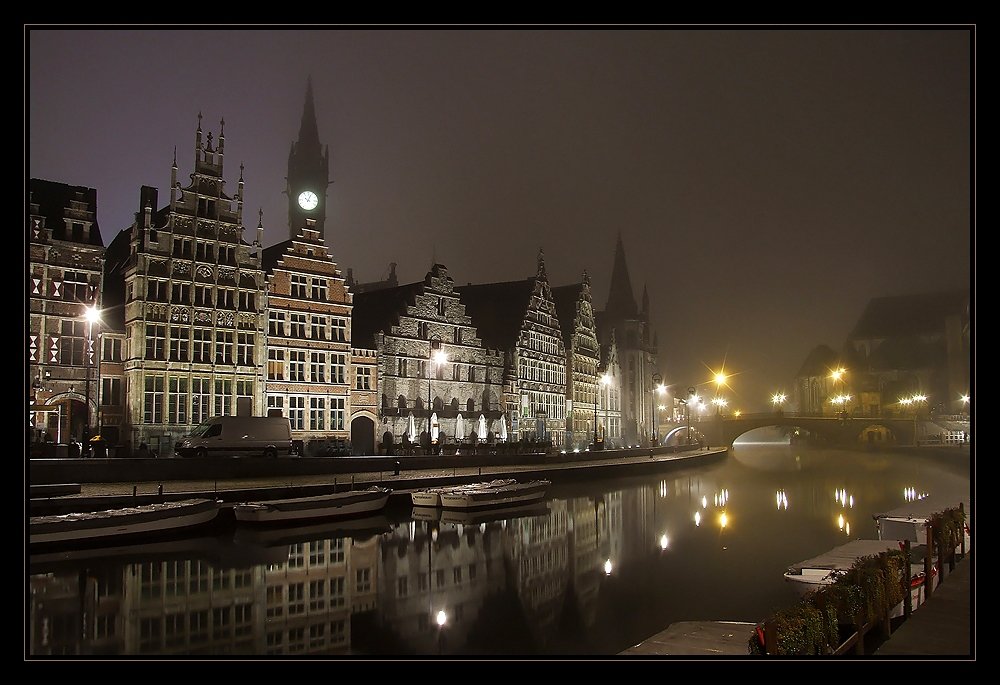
(129, 521)
(515, 493)
(431, 497)
(321, 506)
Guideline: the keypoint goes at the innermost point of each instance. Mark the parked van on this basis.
(229, 436)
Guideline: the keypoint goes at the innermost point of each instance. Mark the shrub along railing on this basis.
(835, 618)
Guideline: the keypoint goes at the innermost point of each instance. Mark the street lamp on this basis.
(657, 385)
(91, 314)
(435, 355)
(777, 399)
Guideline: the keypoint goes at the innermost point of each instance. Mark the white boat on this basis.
(127, 521)
(814, 573)
(431, 497)
(348, 503)
(909, 521)
(474, 498)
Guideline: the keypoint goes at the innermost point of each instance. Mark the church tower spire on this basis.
(308, 173)
(621, 300)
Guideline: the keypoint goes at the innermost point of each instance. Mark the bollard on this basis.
(135, 490)
(159, 490)
(397, 467)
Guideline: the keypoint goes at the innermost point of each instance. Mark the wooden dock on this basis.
(697, 638)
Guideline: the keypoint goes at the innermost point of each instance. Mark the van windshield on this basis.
(201, 430)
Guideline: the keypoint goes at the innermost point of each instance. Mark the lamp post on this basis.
(597, 390)
(435, 355)
(91, 315)
(657, 385)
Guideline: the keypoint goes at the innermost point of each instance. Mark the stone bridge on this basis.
(836, 430)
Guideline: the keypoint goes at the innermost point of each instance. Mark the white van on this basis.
(229, 436)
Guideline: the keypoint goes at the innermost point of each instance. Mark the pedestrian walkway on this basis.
(942, 626)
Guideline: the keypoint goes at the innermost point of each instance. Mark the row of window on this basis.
(74, 286)
(310, 412)
(417, 368)
(184, 400)
(311, 288)
(199, 345)
(214, 297)
(204, 251)
(300, 366)
(295, 325)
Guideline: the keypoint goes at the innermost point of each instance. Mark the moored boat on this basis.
(348, 503)
(124, 522)
(431, 497)
(510, 493)
(824, 569)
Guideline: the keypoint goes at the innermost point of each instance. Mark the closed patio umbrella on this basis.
(459, 428)
(503, 429)
(482, 428)
(411, 431)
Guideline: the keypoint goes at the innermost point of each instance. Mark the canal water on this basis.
(597, 568)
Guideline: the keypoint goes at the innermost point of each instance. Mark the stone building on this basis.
(437, 382)
(193, 293)
(901, 347)
(519, 318)
(637, 351)
(579, 333)
(65, 262)
(309, 358)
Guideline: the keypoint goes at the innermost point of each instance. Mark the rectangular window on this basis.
(248, 301)
(275, 365)
(297, 365)
(297, 412)
(338, 330)
(401, 368)
(112, 350)
(317, 367)
(75, 287)
(337, 413)
(156, 341)
(363, 580)
(225, 298)
(203, 296)
(152, 405)
(275, 323)
(362, 378)
(317, 412)
(179, 343)
(202, 348)
(72, 343)
(201, 398)
(299, 286)
(244, 388)
(111, 392)
(180, 294)
(182, 247)
(245, 349)
(338, 368)
(177, 400)
(298, 322)
(223, 397)
(223, 347)
(318, 331)
(319, 289)
(157, 290)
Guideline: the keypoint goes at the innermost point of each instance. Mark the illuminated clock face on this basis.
(308, 200)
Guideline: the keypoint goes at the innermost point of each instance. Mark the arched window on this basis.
(401, 402)
(470, 406)
(454, 403)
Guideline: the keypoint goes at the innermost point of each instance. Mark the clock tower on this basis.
(308, 174)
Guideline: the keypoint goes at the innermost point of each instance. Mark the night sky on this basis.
(766, 183)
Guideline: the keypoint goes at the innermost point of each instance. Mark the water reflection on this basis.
(597, 568)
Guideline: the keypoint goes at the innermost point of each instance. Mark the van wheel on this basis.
(200, 453)
(270, 453)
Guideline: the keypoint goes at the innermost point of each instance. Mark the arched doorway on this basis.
(363, 435)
